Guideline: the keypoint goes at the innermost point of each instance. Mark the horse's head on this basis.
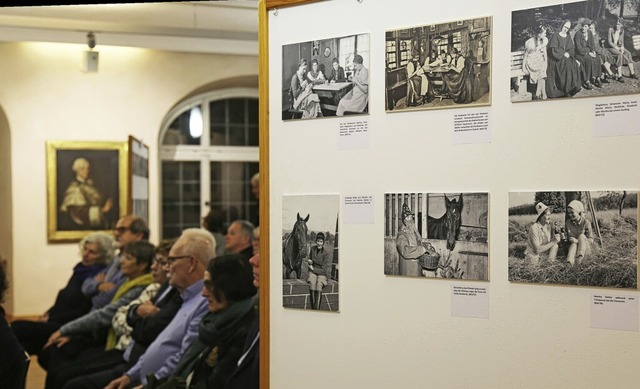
(299, 234)
(453, 220)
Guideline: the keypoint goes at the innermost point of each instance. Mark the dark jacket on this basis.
(247, 373)
(70, 302)
(147, 329)
(12, 356)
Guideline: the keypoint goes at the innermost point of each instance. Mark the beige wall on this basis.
(45, 95)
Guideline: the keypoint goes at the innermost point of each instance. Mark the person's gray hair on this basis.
(246, 228)
(106, 245)
(200, 243)
(78, 162)
(255, 178)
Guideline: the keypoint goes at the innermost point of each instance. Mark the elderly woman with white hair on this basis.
(96, 250)
(578, 232)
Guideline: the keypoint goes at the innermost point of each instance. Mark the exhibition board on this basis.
(396, 331)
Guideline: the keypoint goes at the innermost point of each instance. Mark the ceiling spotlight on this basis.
(91, 40)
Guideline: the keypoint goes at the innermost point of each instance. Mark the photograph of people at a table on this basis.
(445, 65)
(583, 49)
(326, 77)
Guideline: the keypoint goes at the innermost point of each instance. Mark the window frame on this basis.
(204, 152)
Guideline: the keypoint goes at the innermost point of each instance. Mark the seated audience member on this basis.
(585, 53)
(606, 58)
(103, 286)
(100, 358)
(302, 93)
(357, 98)
(315, 75)
(578, 232)
(255, 186)
(337, 72)
(212, 357)
(542, 245)
(188, 260)
(457, 79)
(239, 237)
(247, 372)
(213, 222)
(615, 45)
(73, 338)
(255, 190)
(96, 249)
(11, 352)
(255, 244)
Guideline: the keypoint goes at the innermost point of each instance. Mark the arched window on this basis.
(208, 153)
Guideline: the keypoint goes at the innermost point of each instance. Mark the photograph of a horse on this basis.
(310, 266)
(587, 238)
(294, 248)
(447, 226)
(437, 235)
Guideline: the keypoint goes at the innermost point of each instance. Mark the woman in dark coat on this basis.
(563, 70)
(96, 249)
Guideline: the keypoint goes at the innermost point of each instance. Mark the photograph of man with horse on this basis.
(310, 252)
(436, 235)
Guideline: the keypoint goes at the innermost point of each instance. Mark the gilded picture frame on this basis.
(87, 187)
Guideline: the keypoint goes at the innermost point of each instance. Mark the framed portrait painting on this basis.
(87, 187)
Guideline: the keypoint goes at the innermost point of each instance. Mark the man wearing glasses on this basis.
(103, 286)
(187, 262)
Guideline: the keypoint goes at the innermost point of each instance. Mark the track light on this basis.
(91, 40)
(91, 56)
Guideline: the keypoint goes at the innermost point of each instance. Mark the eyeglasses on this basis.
(121, 230)
(161, 263)
(171, 260)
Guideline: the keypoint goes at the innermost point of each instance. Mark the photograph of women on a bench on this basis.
(437, 235)
(326, 77)
(582, 49)
(442, 65)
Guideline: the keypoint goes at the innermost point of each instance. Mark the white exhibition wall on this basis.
(396, 332)
(45, 95)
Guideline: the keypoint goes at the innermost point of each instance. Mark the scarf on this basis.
(85, 271)
(214, 328)
(143, 280)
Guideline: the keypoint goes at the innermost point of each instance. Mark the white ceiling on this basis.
(225, 27)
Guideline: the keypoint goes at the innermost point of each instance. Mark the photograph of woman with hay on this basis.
(591, 238)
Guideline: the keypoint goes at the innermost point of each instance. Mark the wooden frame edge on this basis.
(263, 84)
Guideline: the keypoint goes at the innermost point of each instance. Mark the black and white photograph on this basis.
(310, 252)
(437, 235)
(574, 238)
(326, 77)
(582, 49)
(444, 65)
